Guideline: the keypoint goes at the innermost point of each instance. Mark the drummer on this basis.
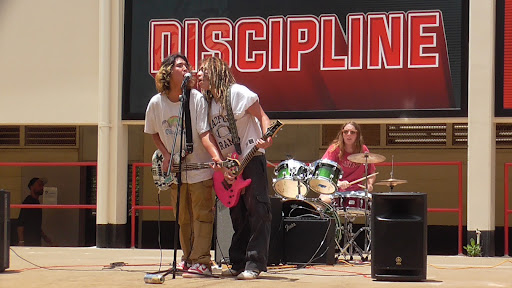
(349, 141)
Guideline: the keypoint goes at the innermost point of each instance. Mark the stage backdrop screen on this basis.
(310, 59)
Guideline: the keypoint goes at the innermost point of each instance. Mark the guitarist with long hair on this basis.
(251, 216)
(196, 194)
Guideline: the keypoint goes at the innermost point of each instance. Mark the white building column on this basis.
(111, 228)
(481, 128)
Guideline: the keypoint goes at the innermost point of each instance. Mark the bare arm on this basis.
(160, 145)
(21, 239)
(210, 146)
(256, 111)
(46, 238)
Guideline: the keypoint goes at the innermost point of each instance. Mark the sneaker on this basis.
(248, 275)
(198, 270)
(231, 272)
(183, 266)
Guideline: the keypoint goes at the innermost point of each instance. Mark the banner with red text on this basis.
(310, 59)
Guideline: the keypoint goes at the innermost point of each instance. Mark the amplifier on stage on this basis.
(309, 240)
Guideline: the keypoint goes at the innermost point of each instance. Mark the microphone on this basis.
(185, 80)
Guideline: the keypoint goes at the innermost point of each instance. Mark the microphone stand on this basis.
(178, 176)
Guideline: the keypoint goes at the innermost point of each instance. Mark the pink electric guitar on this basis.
(229, 194)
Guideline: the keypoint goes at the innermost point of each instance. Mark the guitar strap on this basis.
(232, 124)
(189, 145)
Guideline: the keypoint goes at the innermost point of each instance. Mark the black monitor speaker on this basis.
(399, 236)
(5, 229)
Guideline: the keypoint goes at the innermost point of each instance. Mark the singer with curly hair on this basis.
(196, 194)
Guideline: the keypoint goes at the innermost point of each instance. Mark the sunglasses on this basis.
(347, 132)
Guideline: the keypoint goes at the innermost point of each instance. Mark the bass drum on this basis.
(313, 209)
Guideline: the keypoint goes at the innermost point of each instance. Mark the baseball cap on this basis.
(34, 180)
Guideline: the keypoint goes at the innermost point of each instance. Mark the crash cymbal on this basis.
(391, 182)
(362, 158)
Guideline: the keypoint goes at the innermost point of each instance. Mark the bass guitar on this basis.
(163, 179)
(229, 194)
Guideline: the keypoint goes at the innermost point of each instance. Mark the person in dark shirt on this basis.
(30, 219)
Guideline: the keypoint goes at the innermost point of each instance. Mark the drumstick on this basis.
(361, 179)
(271, 164)
(362, 186)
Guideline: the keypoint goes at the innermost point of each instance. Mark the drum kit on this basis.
(294, 179)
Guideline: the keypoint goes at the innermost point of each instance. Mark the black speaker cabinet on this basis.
(5, 229)
(275, 247)
(224, 233)
(399, 236)
(309, 241)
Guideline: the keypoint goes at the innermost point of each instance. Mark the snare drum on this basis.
(353, 203)
(325, 176)
(290, 173)
(313, 208)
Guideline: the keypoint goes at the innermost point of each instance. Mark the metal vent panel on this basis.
(504, 134)
(10, 136)
(50, 136)
(416, 134)
(460, 134)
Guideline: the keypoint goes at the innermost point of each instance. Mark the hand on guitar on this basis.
(228, 175)
(264, 144)
(166, 162)
(217, 164)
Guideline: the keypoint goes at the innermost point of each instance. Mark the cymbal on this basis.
(391, 182)
(362, 158)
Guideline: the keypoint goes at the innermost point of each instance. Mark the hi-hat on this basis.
(391, 182)
(366, 157)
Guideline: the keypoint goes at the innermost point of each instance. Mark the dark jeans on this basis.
(251, 220)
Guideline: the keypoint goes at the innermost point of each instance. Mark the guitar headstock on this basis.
(272, 130)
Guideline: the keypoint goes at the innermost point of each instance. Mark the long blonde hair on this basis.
(339, 143)
(221, 78)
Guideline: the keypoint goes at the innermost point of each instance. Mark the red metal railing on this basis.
(48, 164)
(507, 211)
(459, 209)
(136, 207)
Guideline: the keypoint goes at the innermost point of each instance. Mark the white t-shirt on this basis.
(162, 117)
(248, 126)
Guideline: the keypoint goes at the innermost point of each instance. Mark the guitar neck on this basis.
(195, 166)
(249, 155)
(192, 166)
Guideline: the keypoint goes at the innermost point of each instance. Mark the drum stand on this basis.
(298, 179)
(350, 237)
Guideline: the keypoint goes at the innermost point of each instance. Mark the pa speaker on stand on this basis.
(399, 236)
(5, 229)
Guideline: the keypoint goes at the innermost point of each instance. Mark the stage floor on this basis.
(92, 267)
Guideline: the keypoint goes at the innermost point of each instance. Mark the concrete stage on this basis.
(91, 267)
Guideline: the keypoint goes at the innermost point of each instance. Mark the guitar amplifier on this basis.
(309, 241)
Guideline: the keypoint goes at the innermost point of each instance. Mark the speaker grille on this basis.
(399, 236)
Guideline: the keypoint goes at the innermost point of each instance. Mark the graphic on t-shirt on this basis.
(220, 128)
(171, 125)
(349, 164)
